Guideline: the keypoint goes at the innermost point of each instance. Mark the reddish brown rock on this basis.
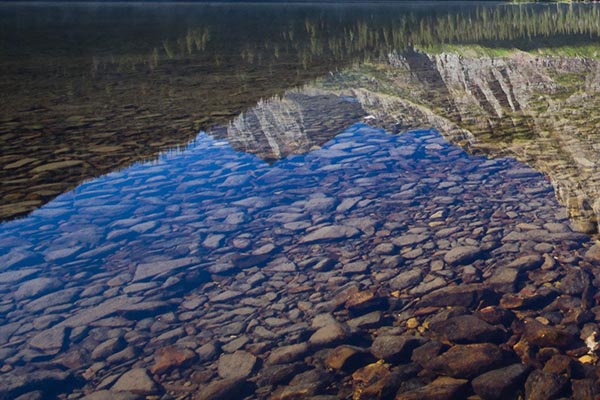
(365, 301)
(542, 385)
(172, 357)
(369, 374)
(549, 336)
(496, 315)
(467, 361)
(443, 388)
(584, 389)
(537, 298)
(468, 329)
(348, 358)
(462, 295)
(560, 364)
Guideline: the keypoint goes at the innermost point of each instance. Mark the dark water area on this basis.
(289, 201)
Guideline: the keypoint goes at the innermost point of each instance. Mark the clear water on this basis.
(325, 133)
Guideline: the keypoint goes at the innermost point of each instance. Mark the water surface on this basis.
(219, 181)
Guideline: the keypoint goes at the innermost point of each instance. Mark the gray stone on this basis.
(238, 365)
(226, 389)
(410, 239)
(329, 233)
(35, 395)
(7, 330)
(136, 381)
(385, 249)
(87, 316)
(225, 296)
(366, 321)
(50, 341)
(152, 269)
(17, 382)
(108, 348)
(428, 286)
(207, 352)
(329, 335)
(527, 262)
(462, 255)
(504, 279)
(11, 277)
(287, 354)
(395, 348)
(108, 395)
(357, 267)
(37, 287)
(60, 297)
(407, 279)
(143, 309)
(592, 255)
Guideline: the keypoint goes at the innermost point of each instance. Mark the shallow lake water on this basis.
(285, 201)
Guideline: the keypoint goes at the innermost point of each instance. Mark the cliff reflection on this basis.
(84, 105)
(541, 109)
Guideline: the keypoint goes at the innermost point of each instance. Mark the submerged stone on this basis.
(462, 255)
(442, 388)
(329, 233)
(238, 365)
(500, 383)
(467, 361)
(136, 381)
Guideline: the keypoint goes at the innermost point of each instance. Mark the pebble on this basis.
(394, 349)
(329, 335)
(329, 233)
(108, 348)
(172, 357)
(238, 365)
(442, 388)
(542, 385)
(287, 354)
(468, 329)
(222, 389)
(462, 255)
(500, 383)
(37, 287)
(467, 361)
(50, 341)
(348, 358)
(136, 381)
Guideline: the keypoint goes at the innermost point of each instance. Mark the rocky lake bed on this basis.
(375, 267)
(383, 200)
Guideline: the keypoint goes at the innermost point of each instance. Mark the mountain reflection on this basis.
(540, 109)
(76, 105)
